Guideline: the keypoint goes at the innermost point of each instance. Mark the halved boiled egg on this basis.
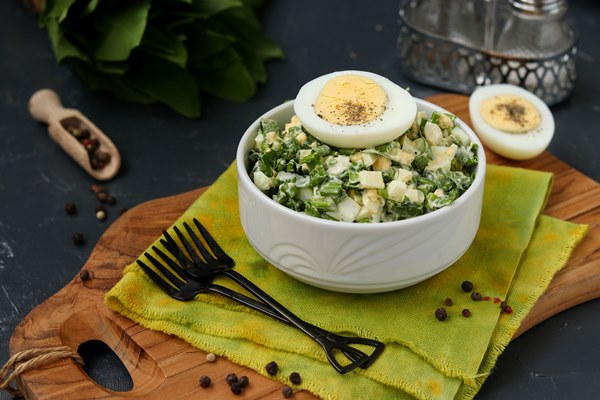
(511, 121)
(354, 109)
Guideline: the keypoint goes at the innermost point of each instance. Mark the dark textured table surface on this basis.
(165, 154)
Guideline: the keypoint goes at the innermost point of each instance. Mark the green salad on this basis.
(430, 166)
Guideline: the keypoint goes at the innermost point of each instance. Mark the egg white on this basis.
(516, 146)
(398, 116)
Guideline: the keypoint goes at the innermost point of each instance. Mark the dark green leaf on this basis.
(169, 10)
(164, 44)
(163, 50)
(203, 42)
(232, 82)
(243, 24)
(112, 67)
(167, 83)
(55, 9)
(61, 46)
(115, 84)
(221, 60)
(254, 47)
(207, 8)
(90, 7)
(119, 30)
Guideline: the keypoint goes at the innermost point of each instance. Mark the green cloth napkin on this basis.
(514, 256)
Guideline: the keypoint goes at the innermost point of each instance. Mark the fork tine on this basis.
(205, 254)
(186, 267)
(169, 261)
(188, 247)
(174, 279)
(157, 279)
(214, 246)
(170, 245)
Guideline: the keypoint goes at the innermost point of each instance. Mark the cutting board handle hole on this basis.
(102, 343)
(104, 367)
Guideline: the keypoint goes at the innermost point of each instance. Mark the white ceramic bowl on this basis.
(352, 257)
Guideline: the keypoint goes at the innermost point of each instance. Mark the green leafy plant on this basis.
(168, 51)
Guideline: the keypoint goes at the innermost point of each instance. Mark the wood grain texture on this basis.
(163, 366)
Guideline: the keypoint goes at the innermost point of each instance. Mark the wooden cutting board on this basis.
(162, 366)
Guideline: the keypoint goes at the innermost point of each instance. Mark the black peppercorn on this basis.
(287, 392)
(467, 286)
(90, 147)
(96, 164)
(103, 157)
(84, 133)
(205, 381)
(85, 275)
(111, 200)
(476, 296)
(123, 210)
(71, 208)
(236, 388)
(243, 381)
(78, 239)
(441, 314)
(102, 196)
(231, 379)
(100, 207)
(466, 313)
(295, 378)
(448, 301)
(272, 368)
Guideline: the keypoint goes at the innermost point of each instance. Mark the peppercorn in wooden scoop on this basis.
(77, 135)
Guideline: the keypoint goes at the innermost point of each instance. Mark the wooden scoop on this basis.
(45, 106)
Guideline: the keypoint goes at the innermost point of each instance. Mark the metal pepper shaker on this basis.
(463, 44)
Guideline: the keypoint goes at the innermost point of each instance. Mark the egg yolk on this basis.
(351, 100)
(510, 113)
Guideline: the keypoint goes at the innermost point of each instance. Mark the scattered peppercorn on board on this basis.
(162, 366)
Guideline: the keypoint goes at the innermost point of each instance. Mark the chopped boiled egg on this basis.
(354, 109)
(371, 180)
(511, 121)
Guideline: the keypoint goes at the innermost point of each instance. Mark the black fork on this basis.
(205, 265)
(183, 286)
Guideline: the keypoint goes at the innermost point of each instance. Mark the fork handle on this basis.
(247, 301)
(266, 309)
(274, 304)
(327, 340)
